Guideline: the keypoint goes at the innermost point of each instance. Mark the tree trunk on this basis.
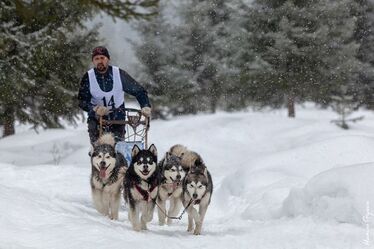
(213, 104)
(8, 123)
(215, 94)
(291, 105)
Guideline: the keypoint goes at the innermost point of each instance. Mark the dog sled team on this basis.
(180, 177)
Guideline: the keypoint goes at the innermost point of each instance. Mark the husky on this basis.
(188, 157)
(108, 170)
(141, 185)
(197, 192)
(170, 188)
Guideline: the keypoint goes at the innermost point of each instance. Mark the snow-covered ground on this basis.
(279, 183)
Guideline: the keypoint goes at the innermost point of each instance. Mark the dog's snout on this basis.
(145, 166)
(178, 177)
(194, 195)
(102, 164)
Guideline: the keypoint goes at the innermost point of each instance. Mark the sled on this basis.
(136, 127)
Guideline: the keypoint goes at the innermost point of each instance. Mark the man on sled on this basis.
(101, 94)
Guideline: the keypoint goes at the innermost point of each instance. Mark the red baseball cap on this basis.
(100, 50)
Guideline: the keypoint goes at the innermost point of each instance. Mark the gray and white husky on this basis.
(108, 170)
(170, 188)
(141, 185)
(197, 192)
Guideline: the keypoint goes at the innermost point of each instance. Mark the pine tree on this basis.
(187, 63)
(207, 35)
(364, 35)
(306, 48)
(344, 104)
(169, 87)
(42, 55)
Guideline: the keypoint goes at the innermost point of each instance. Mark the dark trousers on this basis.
(94, 126)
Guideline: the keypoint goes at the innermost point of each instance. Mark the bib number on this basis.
(110, 103)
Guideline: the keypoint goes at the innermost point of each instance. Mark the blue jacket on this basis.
(105, 81)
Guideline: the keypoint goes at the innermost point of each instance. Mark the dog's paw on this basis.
(169, 222)
(161, 223)
(113, 217)
(144, 227)
(190, 229)
(137, 228)
(197, 228)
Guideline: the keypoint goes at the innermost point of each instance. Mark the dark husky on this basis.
(108, 169)
(172, 175)
(141, 186)
(197, 191)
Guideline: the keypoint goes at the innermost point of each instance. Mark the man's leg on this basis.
(93, 130)
(118, 132)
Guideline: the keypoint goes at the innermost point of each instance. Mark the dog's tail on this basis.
(107, 138)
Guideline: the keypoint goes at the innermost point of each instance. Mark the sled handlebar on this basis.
(131, 120)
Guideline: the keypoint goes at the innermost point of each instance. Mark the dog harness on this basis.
(112, 99)
(173, 184)
(146, 193)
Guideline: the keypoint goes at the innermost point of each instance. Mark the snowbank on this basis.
(340, 194)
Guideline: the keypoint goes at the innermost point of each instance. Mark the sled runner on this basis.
(136, 127)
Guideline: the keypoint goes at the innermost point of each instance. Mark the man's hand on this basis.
(146, 111)
(101, 110)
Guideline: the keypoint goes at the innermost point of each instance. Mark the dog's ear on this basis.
(205, 172)
(199, 163)
(186, 169)
(167, 156)
(153, 149)
(120, 160)
(135, 151)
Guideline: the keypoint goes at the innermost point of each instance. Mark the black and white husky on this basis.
(108, 169)
(197, 192)
(172, 175)
(141, 186)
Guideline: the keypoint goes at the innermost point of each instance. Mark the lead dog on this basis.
(172, 175)
(141, 185)
(197, 192)
(108, 169)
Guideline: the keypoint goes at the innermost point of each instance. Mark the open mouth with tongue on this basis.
(103, 171)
